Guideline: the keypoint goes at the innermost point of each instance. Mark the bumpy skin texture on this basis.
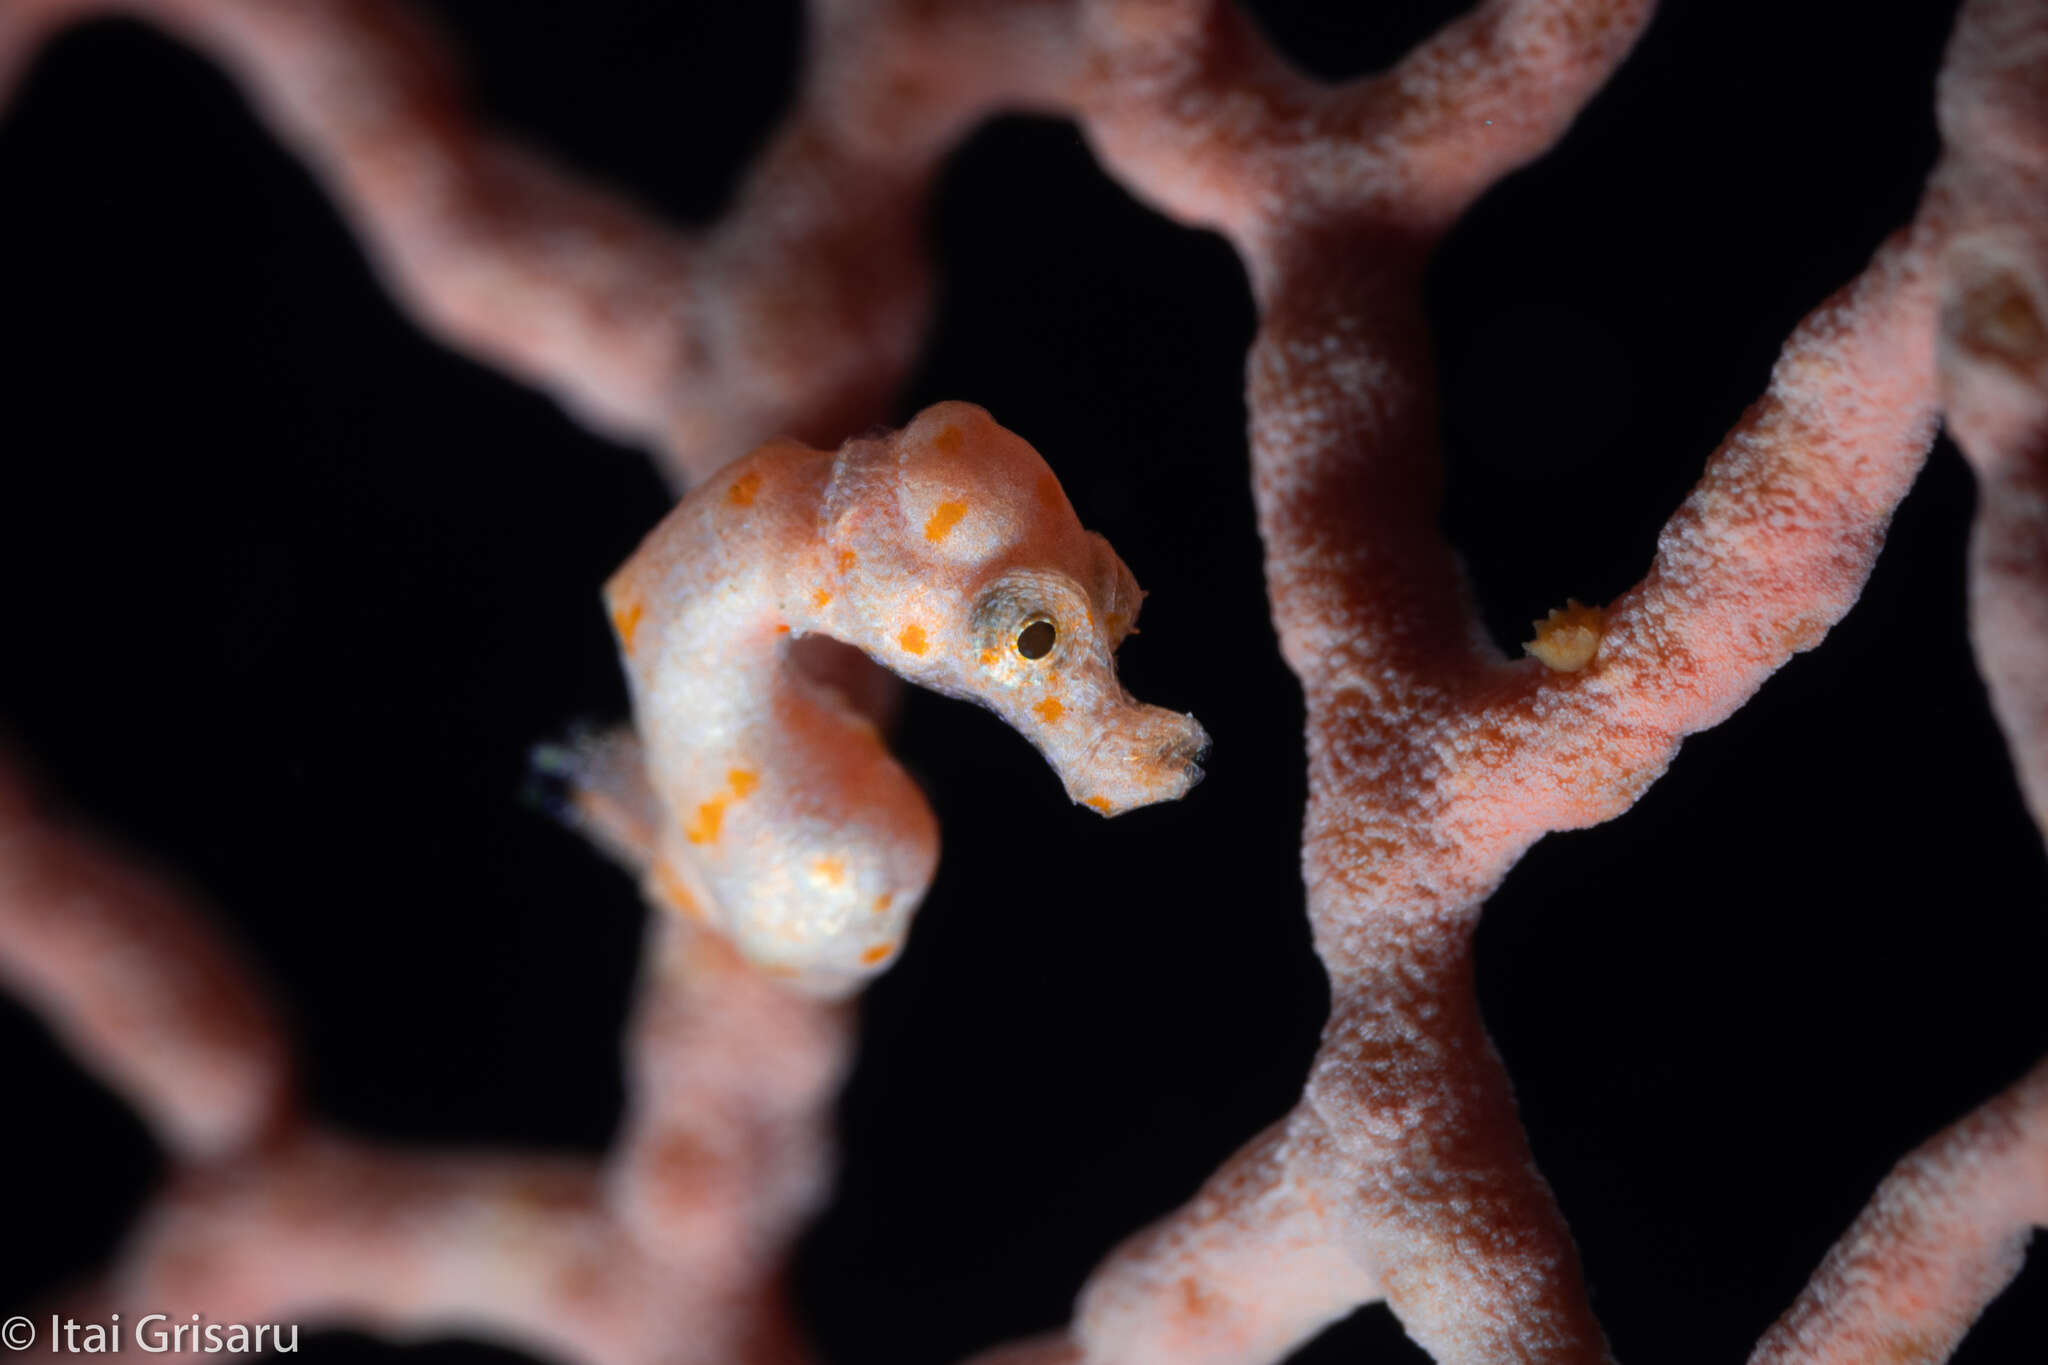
(947, 552)
(1402, 1173)
(1941, 1237)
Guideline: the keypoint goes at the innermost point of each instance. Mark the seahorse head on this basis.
(965, 569)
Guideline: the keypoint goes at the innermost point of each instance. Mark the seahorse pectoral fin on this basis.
(596, 783)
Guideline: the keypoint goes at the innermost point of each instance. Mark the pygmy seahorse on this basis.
(947, 551)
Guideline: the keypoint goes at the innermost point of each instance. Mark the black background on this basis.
(289, 591)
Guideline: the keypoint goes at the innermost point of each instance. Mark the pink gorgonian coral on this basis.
(1637, 326)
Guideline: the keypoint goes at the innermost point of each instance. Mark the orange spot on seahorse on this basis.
(1100, 803)
(912, 639)
(743, 782)
(1049, 492)
(944, 518)
(879, 953)
(831, 871)
(1050, 710)
(625, 622)
(704, 829)
(820, 598)
(989, 658)
(884, 901)
(846, 559)
(948, 441)
(741, 494)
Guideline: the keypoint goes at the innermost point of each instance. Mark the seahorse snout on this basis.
(1137, 756)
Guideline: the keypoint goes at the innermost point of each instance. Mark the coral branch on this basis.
(796, 314)
(1492, 91)
(1993, 106)
(131, 977)
(727, 1139)
(1766, 554)
(1421, 1159)
(670, 1251)
(1945, 1232)
(519, 1250)
(323, 1230)
(1948, 1228)
(1433, 766)
(490, 246)
(1774, 545)
(1251, 1267)
(1402, 1175)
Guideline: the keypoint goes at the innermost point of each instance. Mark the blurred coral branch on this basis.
(669, 1250)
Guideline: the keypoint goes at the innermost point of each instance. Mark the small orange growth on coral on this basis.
(944, 518)
(741, 494)
(1050, 710)
(1568, 638)
(912, 639)
(1100, 803)
(878, 953)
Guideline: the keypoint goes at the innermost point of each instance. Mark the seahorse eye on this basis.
(1036, 640)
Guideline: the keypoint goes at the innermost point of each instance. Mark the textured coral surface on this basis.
(293, 590)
